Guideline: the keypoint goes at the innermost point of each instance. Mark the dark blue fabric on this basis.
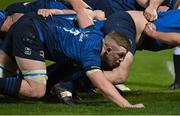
(113, 6)
(124, 5)
(3, 16)
(25, 7)
(151, 44)
(65, 40)
(122, 22)
(10, 86)
(170, 3)
(168, 21)
(69, 41)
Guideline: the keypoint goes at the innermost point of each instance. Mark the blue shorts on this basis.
(104, 5)
(22, 41)
(168, 21)
(113, 6)
(122, 22)
(26, 7)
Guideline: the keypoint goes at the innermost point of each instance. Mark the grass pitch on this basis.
(149, 78)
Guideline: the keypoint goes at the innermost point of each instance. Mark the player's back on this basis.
(65, 38)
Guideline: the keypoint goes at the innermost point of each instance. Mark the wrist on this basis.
(153, 7)
(155, 34)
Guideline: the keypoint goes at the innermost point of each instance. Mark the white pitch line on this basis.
(122, 87)
(170, 67)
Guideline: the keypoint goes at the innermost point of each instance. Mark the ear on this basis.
(108, 49)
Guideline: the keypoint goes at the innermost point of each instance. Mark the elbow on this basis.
(120, 79)
(178, 41)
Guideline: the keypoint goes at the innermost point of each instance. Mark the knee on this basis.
(121, 79)
(36, 92)
(32, 89)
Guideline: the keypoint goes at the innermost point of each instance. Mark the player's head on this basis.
(116, 46)
(3, 17)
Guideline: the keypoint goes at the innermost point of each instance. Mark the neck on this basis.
(103, 49)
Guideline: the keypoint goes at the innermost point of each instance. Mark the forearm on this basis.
(77, 4)
(84, 19)
(120, 74)
(155, 3)
(107, 89)
(115, 76)
(168, 38)
(143, 3)
(56, 11)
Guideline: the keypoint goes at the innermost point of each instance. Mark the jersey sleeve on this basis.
(168, 21)
(25, 7)
(90, 56)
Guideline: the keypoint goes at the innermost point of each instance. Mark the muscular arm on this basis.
(77, 4)
(170, 38)
(108, 90)
(120, 74)
(143, 3)
(150, 3)
(85, 18)
(155, 3)
(47, 12)
(151, 8)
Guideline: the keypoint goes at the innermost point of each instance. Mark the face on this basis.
(114, 56)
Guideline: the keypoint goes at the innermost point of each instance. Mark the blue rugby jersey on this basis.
(124, 5)
(65, 39)
(168, 21)
(25, 7)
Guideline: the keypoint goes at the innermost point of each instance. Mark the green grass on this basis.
(148, 80)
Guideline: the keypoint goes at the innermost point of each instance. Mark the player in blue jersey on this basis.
(14, 11)
(64, 40)
(112, 6)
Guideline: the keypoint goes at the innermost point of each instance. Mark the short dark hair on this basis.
(120, 38)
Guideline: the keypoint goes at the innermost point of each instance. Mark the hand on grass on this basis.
(137, 106)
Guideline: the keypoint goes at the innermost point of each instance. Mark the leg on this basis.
(34, 82)
(10, 84)
(13, 85)
(7, 66)
(23, 46)
(176, 58)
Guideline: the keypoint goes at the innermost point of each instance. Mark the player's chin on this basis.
(114, 65)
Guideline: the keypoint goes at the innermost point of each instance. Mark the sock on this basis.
(176, 59)
(69, 81)
(10, 86)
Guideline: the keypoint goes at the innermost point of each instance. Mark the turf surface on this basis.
(148, 80)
